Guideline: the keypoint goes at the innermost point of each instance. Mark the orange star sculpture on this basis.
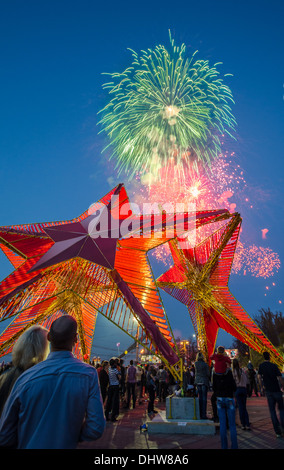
(199, 279)
(94, 263)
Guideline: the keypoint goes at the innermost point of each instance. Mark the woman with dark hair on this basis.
(224, 387)
(104, 379)
(241, 380)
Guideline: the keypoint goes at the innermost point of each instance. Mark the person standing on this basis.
(241, 380)
(151, 388)
(112, 404)
(224, 387)
(143, 387)
(30, 348)
(272, 379)
(138, 383)
(162, 378)
(189, 382)
(131, 377)
(103, 379)
(252, 381)
(56, 403)
(122, 378)
(202, 381)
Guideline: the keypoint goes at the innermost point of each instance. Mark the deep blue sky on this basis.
(53, 54)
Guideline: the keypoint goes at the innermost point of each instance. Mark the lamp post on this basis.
(137, 344)
(184, 349)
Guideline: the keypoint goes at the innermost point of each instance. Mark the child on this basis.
(220, 360)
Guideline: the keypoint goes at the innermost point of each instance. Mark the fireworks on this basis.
(195, 188)
(259, 261)
(166, 109)
(163, 254)
(226, 187)
(228, 177)
(167, 120)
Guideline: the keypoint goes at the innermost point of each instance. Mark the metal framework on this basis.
(61, 268)
(199, 279)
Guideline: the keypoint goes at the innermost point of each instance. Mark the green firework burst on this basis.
(166, 109)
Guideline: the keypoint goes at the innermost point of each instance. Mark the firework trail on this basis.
(167, 119)
(226, 187)
(166, 109)
(259, 261)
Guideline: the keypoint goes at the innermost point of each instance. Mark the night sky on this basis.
(53, 54)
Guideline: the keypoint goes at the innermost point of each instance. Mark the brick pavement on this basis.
(125, 432)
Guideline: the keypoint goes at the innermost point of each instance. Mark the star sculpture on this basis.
(199, 279)
(96, 262)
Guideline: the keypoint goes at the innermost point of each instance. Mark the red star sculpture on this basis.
(199, 279)
(90, 264)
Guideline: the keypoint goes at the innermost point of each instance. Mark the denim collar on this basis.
(60, 354)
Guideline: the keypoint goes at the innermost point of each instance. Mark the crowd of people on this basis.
(125, 386)
(50, 399)
(232, 384)
(229, 383)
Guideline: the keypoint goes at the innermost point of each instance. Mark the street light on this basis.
(184, 346)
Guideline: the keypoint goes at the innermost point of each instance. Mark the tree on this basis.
(255, 358)
(272, 325)
(243, 350)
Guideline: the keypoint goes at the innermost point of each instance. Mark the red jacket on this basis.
(221, 361)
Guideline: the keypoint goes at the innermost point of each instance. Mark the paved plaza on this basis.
(125, 432)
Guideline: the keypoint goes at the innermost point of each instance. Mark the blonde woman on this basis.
(30, 348)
